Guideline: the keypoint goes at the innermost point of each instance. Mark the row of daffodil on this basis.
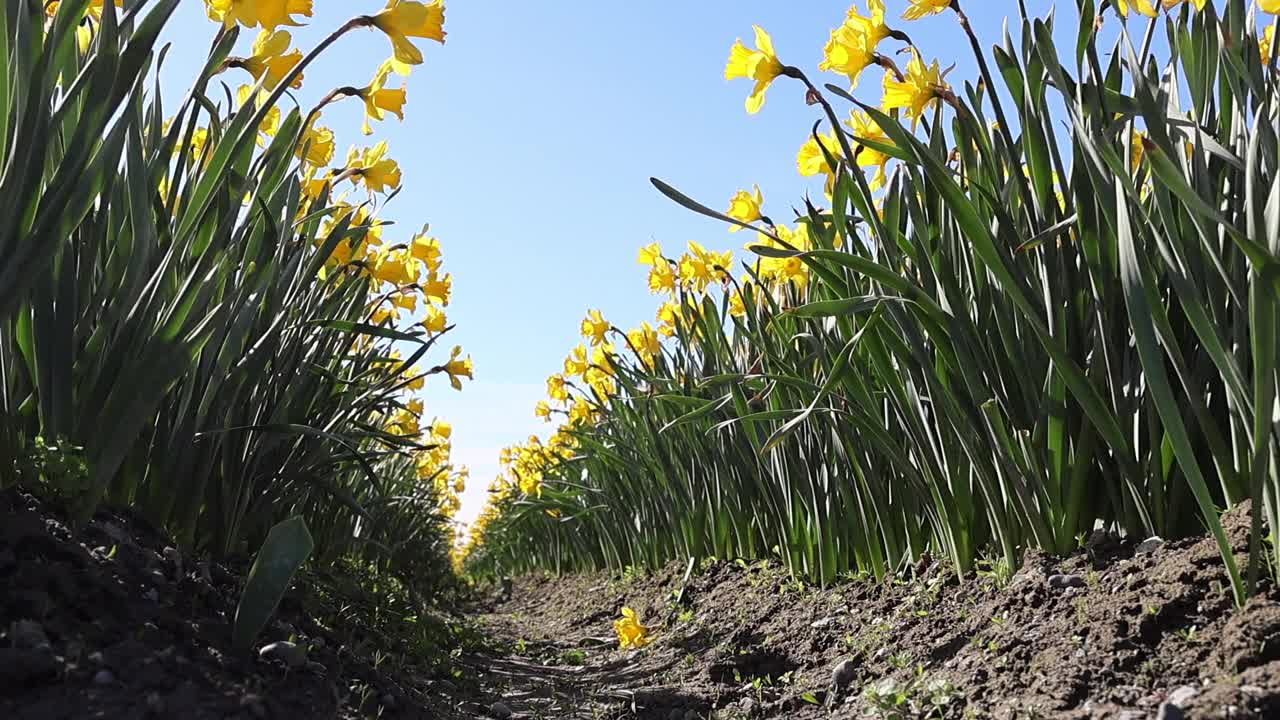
(408, 282)
(851, 49)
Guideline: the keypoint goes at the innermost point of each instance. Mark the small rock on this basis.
(1066, 581)
(27, 635)
(843, 674)
(1180, 696)
(500, 711)
(174, 557)
(95, 657)
(821, 623)
(1169, 711)
(253, 703)
(1149, 545)
(1251, 690)
(289, 653)
(104, 677)
(1131, 715)
(388, 701)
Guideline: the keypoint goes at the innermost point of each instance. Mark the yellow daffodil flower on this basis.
(270, 124)
(581, 412)
(396, 267)
(269, 14)
(650, 254)
(1270, 6)
(435, 321)
(668, 314)
(631, 632)
(1171, 4)
(745, 206)
(379, 172)
(646, 342)
(915, 92)
(1143, 7)
(407, 300)
(439, 287)
(272, 59)
(380, 99)
(312, 186)
(458, 368)
(601, 382)
(848, 51)
(595, 327)
(700, 267)
(602, 359)
(1137, 151)
(442, 428)
(543, 410)
(427, 249)
(576, 364)
(558, 388)
(811, 159)
(662, 277)
(531, 484)
(925, 8)
(405, 19)
(873, 25)
(761, 65)
(782, 270)
(1267, 42)
(316, 146)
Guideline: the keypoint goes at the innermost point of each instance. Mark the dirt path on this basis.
(1119, 631)
(114, 623)
(567, 666)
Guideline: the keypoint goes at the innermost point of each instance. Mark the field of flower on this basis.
(1028, 304)
(201, 315)
(1019, 309)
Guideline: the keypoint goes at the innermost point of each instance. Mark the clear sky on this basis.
(528, 144)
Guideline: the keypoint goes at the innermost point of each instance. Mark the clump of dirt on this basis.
(1122, 630)
(114, 622)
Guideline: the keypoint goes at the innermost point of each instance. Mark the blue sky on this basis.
(528, 144)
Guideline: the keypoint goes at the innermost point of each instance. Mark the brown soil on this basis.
(1117, 635)
(110, 623)
(113, 623)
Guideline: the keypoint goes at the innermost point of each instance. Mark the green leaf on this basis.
(287, 546)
